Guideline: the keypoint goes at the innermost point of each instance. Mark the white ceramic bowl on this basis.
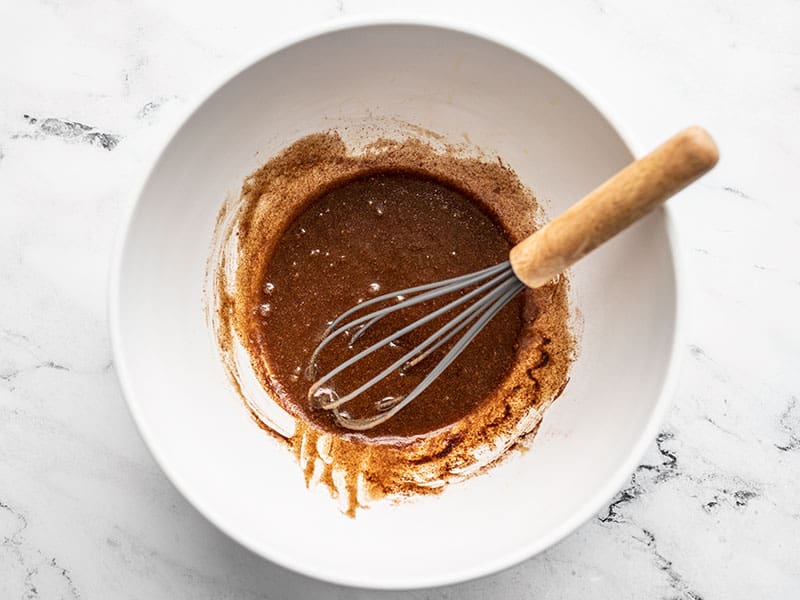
(452, 82)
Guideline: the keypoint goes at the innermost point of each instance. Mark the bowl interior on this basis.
(452, 83)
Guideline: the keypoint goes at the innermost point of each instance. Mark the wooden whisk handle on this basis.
(616, 204)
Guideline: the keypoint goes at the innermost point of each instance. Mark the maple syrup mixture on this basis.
(319, 229)
(378, 233)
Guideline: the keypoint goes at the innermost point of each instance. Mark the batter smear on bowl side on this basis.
(320, 228)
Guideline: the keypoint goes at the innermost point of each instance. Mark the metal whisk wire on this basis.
(499, 287)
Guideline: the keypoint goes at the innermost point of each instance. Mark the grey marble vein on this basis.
(789, 423)
(72, 131)
(676, 581)
(656, 473)
(40, 576)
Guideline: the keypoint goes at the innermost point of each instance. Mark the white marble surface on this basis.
(87, 90)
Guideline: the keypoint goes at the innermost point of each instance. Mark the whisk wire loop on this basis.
(492, 296)
(437, 289)
(389, 407)
(394, 336)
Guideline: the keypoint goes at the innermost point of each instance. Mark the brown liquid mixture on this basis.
(428, 200)
(374, 234)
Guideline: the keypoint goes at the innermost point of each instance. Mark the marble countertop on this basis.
(88, 90)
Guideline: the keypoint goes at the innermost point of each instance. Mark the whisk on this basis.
(616, 204)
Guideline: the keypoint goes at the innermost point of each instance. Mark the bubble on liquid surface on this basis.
(265, 309)
(295, 376)
(269, 287)
(374, 287)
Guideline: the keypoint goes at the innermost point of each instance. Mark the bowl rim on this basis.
(590, 507)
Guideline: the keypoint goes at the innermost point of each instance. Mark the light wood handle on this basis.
(618, 203)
